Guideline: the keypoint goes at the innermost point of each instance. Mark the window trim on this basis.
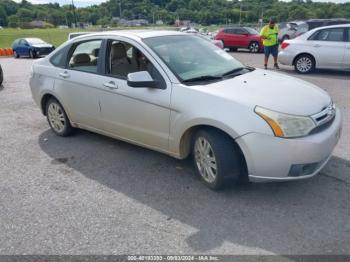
(315, 34)
(106, 53)
(72, 47)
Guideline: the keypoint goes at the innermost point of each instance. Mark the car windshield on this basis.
(251, 31)
(34, 41)
(191, 57)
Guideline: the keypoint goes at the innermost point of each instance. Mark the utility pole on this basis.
(120, 7)
(240, 14)
(74, 14)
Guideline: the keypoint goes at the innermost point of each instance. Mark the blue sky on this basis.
(92, 2)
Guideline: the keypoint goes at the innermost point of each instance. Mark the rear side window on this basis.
(240, 31)
(229, 31)
(331, 34)
(84, 56)
(58, 59)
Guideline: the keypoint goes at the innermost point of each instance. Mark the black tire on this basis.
(1, 75)
(304, 64)
(67, 129)
(228, 159)
(254, 47)
(15, 54)
(233, 49)
(32, 54)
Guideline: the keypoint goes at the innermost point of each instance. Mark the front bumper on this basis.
(270, 158)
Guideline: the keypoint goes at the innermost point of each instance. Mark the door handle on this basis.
(317, 45)
(111, 85)
(64, 74)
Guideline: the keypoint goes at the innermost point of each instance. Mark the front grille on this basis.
(324, 119)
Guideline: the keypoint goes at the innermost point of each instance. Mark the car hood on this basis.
(42, 45)
(272, 90)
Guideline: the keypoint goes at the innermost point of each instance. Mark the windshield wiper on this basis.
(233, 71)
(202, 78)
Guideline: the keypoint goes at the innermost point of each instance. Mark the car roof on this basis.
(332, 26)
(135, 34)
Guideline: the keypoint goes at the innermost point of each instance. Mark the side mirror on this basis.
(141, 79)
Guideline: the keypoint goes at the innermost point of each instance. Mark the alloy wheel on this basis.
(254, 47)
(304, 64)
(205, 160)
(56, 117)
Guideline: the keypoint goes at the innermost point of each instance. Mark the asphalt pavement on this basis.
(89, 194)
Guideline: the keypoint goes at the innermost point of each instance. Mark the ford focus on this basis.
(181, 95)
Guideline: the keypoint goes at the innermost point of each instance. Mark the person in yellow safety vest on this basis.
(269, 34)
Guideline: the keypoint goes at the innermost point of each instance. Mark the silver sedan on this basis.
(325, 48)
(181, 95)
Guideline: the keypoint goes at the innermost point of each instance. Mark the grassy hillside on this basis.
(54, 36)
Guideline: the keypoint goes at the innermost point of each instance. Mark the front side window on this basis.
(240, 31)
(123, 59)
(191, 57)
(84, 56)
(331, 34)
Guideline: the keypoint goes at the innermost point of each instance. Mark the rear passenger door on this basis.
(139, 115)
(242, 37)
(76, 83)
(328, 47)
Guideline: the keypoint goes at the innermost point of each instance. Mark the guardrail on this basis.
(6, 52)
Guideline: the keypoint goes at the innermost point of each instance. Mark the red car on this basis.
(240, 37)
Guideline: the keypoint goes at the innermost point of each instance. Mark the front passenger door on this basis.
(139, 115)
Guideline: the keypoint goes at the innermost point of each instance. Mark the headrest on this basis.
(95, 52)
(81, 59)
(118, 51)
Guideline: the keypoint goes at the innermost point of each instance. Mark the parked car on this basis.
(180, 95)
(240, 37)
(218, 43)
(76, 34)
(31, 47)
(315, 23)
(288, 30)
(1, 75)
(325, 47)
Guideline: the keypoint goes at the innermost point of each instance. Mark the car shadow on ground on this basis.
(272, 216)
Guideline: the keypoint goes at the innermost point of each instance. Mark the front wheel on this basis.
(15, 54)
(254, 47)
(304, 64)
(58, 119)
(217, 159)
(32, 54)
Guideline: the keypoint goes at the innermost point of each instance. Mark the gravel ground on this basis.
(89, 194)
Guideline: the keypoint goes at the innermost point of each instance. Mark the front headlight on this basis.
(285, 125)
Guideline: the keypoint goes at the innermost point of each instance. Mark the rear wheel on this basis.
(304, 64)
(57, 118)
(254, 47)
(217, 159)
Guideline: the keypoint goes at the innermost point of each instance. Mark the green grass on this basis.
(53, 36)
